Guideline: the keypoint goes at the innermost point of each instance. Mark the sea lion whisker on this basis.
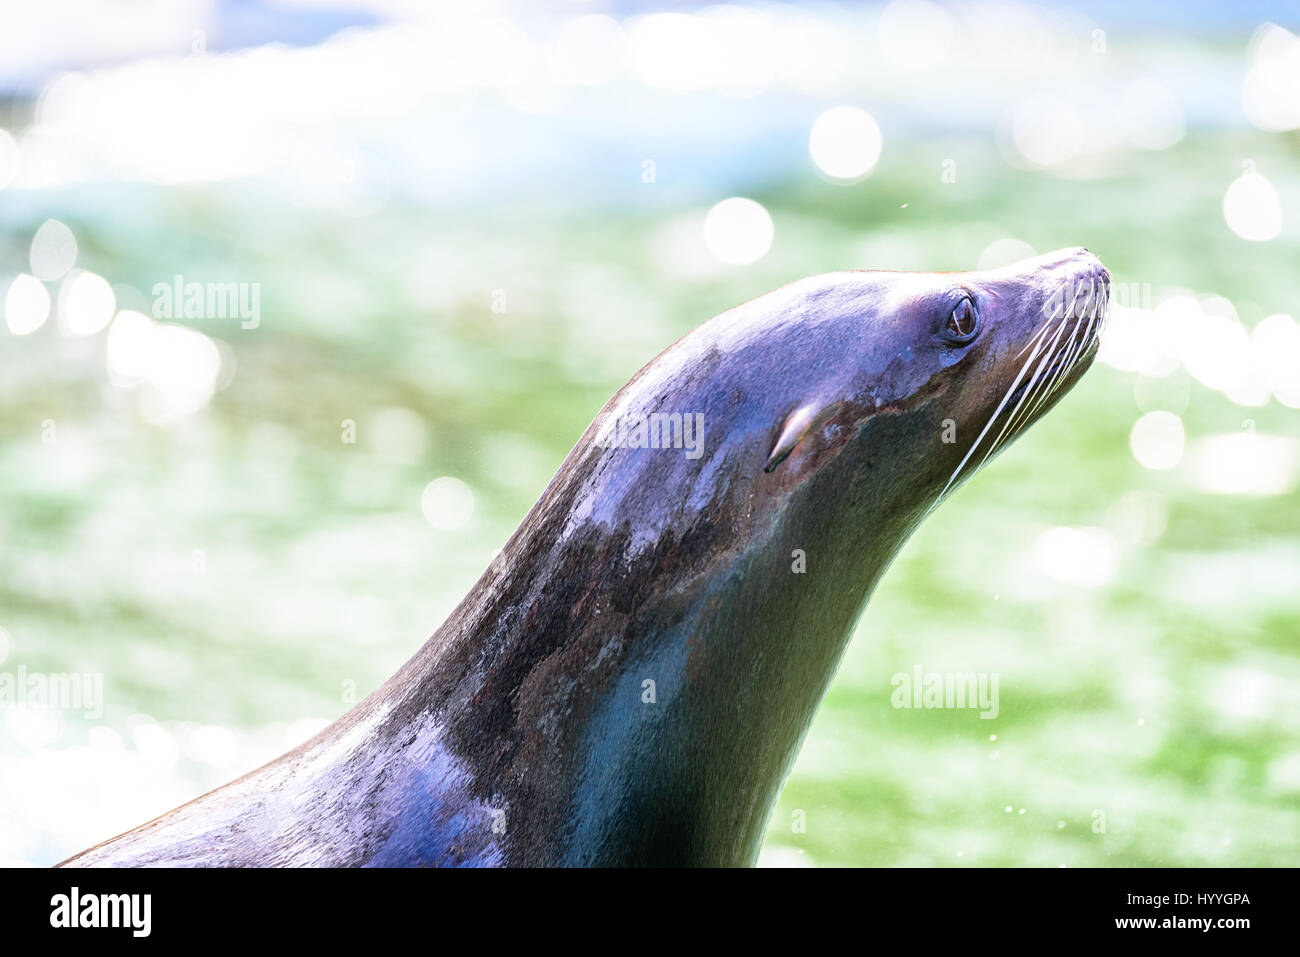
(1042, 330)
(1031, 388)
(988, 425)
(1069, 357)
(1062, 366)
(1062, 362)
(1101, 313)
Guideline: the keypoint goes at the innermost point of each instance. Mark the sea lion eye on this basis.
(961, 321)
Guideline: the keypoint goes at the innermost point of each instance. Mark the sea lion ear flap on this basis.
(796, 425)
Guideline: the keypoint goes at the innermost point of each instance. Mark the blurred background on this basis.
(448, 232)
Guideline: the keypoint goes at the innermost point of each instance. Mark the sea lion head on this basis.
(889, 388)
(1044, 321)
(970, 359)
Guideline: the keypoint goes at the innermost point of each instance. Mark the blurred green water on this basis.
(248, 566)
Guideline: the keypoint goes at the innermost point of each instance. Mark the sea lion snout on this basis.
(1068, 283)
(1070, 256)
(1085, 265)
(1074, 264)
(1088, 265)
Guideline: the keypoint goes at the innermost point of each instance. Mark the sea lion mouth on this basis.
(1071, 355)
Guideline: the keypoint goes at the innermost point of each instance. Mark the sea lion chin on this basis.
(629, 682)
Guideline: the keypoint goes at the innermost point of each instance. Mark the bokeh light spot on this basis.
(53, 252)
(1245, 463)
(27, 305)
(1047, 130)
(86, 303)
(845, 143)
(181, 375)
(1275, 346)
(129, 349)
(1270, 92)
(738, 231)
(1157, 440)
(1252, 208)
(1152, 116)
(1004, 252)
(447, 503)
(1077, 556)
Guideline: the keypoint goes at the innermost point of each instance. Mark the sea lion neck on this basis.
(630, 690)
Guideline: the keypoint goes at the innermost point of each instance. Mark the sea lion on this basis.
(629, 682)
